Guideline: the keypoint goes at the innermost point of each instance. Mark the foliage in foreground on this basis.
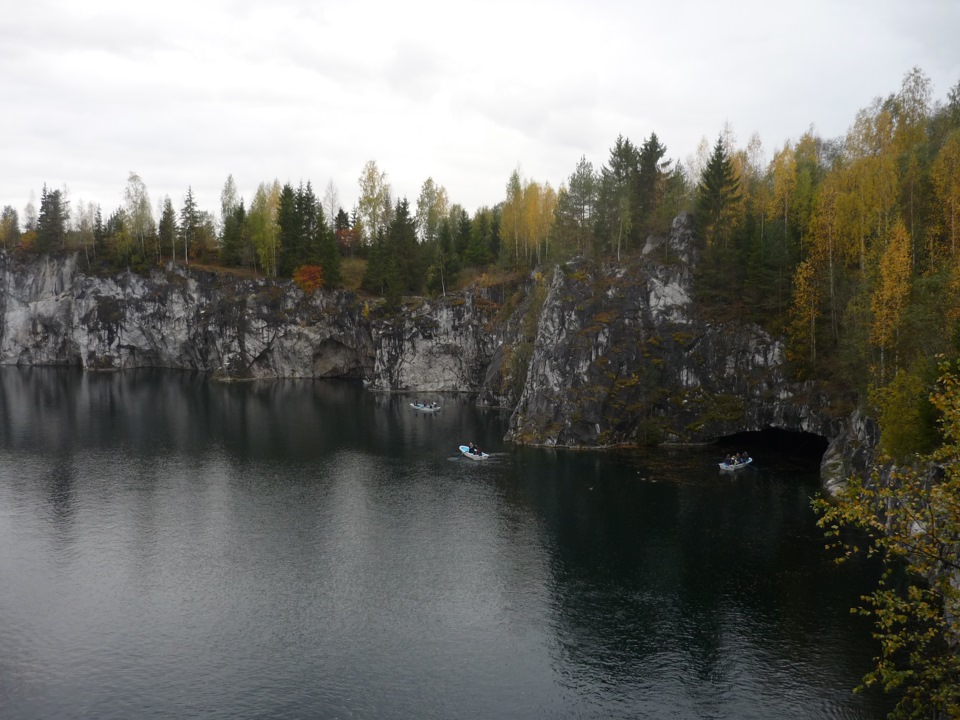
(912, 521)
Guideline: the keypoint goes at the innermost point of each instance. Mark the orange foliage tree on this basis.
(308, 278)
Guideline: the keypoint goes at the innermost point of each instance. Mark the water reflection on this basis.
(309, 549)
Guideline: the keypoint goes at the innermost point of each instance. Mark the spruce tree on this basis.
(717, 192)
(189, 224)
(52, 221)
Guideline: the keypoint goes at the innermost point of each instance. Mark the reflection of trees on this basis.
(689, 575)
(154, 412)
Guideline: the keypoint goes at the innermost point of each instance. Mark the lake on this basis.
(172, 547)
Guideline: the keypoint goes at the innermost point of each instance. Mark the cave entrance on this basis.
(794, 447)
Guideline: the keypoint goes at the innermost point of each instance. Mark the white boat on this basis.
(425, 407)
(733, 467)
(473, 455)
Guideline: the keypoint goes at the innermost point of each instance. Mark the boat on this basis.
(733, 467)
(425, 407)
(472, 455)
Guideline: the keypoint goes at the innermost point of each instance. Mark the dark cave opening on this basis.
(796, 447)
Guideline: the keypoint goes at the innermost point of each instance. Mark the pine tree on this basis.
(189, 224)
(167, 229)
(288, 231)
(404, 250)
(52, 221)
(718, 191)
(650, 176)
(615, 207)
(576, 207)
(232, 243)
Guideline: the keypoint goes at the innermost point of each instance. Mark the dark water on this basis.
(171, 548)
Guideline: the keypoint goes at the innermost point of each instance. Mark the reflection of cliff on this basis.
(682, 575)
(152, 412)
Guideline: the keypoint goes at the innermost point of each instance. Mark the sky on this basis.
(186, 94)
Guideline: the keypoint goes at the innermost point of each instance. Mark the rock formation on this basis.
(594, 355)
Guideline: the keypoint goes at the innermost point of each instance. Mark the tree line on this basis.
(847, 246)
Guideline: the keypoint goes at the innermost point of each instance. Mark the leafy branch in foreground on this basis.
(912, 521)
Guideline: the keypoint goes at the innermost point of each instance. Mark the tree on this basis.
(373, 206)
(616, 214)
(804, 312)
(303, 234)
(309, 278)
(263, 228)
(30, 214)
(347, 238)
(331, 204)
(52, 221)
(328, 252)
(167, 228)
(229, 200)
(511, 217)
(84, 221)
(432, 206)
(717, 193)
(650, 175)
(403, 250)
(9, 227)
(911, 110)
(289, 232)
(136, 206)
(234, 237)
(205, 242)
(889, 300)
(99, 232)
(190, 221)
(484, 239)
(912, 522)
(945, 175)
(576, 206)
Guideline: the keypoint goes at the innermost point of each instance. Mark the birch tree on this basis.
(889, 300)
(945, 176)
(373, 206)
(136, 206)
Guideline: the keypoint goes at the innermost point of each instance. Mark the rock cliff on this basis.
(622, 356)
(595, 354)
(53, 314)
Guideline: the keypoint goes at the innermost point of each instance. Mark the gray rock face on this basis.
(54, 315)
(852, 451)
(620, 353)
(441, 346)
(51, 313)
(598, 355)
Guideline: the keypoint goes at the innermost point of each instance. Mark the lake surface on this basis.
(175, 548)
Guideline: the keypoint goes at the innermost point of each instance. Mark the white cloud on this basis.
(186, 93)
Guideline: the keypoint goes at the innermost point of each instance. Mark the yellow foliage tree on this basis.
(526, 218)
(873, 178)
(945, 175)
(804, 311)
(889, 300)
(911, 521)
(783, 169)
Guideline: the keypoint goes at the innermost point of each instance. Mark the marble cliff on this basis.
(591, 355)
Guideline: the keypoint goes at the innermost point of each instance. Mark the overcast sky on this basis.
(187, 93)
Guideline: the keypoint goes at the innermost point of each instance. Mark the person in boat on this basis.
(474, 450)
(728, 460)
